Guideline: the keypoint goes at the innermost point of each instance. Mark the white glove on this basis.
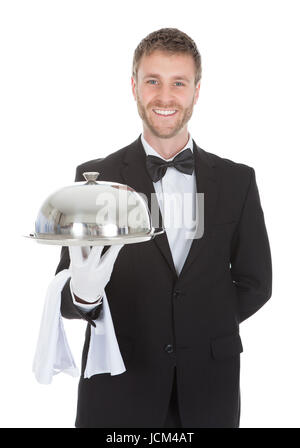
(90, 273)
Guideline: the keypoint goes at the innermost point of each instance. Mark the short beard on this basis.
(188, 112)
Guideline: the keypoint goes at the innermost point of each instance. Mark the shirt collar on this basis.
(151, 151)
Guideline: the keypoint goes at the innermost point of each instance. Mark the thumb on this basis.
(75, 255)
(110, 255)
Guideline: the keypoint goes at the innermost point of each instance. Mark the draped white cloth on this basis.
(53, 354)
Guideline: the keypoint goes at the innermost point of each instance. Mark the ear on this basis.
(133, 87)
(197, 93)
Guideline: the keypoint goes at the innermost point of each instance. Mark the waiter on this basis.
(176, 302)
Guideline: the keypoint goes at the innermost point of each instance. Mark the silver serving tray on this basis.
(125, 239)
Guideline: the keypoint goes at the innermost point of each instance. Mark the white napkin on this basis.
(53, 354)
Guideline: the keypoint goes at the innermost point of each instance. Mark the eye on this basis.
(152, 81)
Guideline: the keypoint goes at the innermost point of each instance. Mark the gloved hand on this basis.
(90, 273)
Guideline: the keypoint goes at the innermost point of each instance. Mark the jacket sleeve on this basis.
(251, 265)
(68, 309)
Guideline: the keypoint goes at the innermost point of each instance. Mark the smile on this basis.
(165, 113)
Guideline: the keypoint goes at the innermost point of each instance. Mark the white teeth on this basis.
(164, 112)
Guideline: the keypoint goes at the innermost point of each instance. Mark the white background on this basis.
(66, 98)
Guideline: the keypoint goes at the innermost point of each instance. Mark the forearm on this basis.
(77, 299)
(70, 310)
(251, 261)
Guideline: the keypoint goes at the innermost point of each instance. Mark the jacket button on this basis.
(176, 293)
(169, 348)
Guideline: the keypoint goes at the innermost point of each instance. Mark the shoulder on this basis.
(229, 169)
(228, 164)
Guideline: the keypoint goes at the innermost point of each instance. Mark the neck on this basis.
(167, 147)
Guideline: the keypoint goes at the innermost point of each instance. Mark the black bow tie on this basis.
(157, 167)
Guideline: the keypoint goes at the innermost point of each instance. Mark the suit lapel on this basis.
(207, 183)
(135, 175)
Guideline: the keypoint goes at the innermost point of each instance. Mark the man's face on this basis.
(165, 83)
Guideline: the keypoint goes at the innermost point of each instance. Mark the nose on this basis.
(165, 96)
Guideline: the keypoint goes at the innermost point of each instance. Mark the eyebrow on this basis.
(155, 75)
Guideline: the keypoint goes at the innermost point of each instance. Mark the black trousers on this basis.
(173, 417)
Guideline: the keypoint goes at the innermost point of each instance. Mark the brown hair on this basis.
(170, 40)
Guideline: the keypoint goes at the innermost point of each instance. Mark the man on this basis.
(176, 303)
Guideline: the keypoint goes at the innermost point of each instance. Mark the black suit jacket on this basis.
(190, 321)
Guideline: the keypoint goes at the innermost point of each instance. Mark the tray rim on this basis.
(128, 239)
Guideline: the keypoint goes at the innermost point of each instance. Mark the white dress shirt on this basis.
(176, 195)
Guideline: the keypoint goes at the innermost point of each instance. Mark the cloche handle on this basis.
(91, 176)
